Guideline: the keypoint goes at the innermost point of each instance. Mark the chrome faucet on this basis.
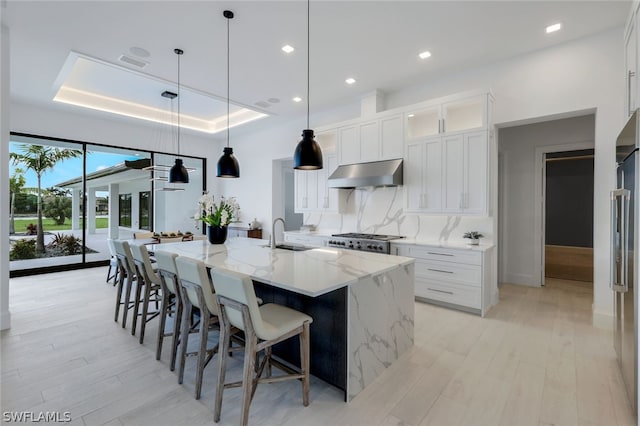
(273, 231)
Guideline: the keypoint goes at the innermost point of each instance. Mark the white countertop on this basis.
(312, 272)
(459, 245)
(445, 244)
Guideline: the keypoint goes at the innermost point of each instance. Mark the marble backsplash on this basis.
(380, 211)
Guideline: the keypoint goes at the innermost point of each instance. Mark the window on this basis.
(144, 199)
(125, 210)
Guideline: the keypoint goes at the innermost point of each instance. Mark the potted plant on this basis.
(472, 237)
(217, 216)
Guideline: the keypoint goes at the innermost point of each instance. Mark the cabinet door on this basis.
(391, 137)
(423, 123)
(453, 173)
(312, 188)
(475, 170)
(348, 145)
(300, 184)
(631, 57)
(413, 176)
(465, 114)
(369, 142)
(330, 196)
(432, 176)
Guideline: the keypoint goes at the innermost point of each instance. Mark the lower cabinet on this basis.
(452, 277)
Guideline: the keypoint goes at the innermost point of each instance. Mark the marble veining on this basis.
(379, 336)
(381, 211)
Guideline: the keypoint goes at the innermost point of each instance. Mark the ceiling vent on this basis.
(133, 61)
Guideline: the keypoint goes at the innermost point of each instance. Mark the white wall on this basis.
(521, 251)
(5, 316)
(585, 74)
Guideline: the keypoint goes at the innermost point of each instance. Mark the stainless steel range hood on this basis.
(376, 173)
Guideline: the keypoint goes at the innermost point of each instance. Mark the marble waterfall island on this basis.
(362, 304)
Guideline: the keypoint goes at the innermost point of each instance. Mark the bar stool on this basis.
(263, 326)
(126, 272)
(197, 291)
(149, 281)
(170, 289)
(113, 263)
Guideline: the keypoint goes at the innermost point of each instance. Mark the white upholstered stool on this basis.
(263, 326)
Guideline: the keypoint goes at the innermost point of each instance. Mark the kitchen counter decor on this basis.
(217, 216)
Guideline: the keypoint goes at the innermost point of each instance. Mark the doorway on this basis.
(568, 215)
(522, 154)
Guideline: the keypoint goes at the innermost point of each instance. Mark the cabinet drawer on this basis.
(443, 254)
(450, 293)
(449, 272)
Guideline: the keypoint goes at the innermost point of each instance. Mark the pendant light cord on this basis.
(308, 56)
(228, 80)
(179, 53)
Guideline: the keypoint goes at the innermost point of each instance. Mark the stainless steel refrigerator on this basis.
(624, 256)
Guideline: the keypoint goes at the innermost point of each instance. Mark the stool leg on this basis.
(176, 333)
(145, 310)
(120, 283)
(164, 310)
(184, 339)
(127, 298)
(247, 376)
(304, 362)
(202, 353)
(225, 340)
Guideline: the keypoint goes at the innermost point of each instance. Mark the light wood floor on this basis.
(535, 360)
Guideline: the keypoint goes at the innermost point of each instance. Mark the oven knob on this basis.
(379, 248)
(350, 245)
(369, 246)
(342, 243)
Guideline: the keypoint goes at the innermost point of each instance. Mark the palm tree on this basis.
(40, 159)
(16, 183)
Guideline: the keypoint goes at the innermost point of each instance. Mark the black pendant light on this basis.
(227, 164)
(178, 172)
(308, 155)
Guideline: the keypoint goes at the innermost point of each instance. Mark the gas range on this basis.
(364, 242)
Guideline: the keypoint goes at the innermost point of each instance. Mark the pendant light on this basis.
(178, 173)
(308, 155)
(227, 164)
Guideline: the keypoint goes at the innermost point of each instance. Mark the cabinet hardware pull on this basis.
(441, 291)
(440, 270)
(443, 126)
(439, 254)
(629, 75)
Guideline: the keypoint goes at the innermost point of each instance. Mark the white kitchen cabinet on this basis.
(312, 192)
(454, 116)
(423, 176)
(371, 140)
(465, 164)
(447, 175)
(458, 278)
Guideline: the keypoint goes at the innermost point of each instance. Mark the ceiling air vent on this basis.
(133, 61)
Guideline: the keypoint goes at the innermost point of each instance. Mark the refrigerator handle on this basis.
(619, 283)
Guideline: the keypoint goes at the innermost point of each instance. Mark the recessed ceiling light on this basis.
(553, 28)
(287, 49)
(350, 80)
(424, 55)
(411, 115)
(297, 99)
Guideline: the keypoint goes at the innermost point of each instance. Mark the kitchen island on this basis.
(361, 303)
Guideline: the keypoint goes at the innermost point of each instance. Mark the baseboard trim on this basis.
(522, 279)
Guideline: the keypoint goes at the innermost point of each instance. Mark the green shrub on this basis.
(66, 243)
(23, 249)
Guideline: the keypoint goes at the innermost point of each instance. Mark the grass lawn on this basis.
(50, 225)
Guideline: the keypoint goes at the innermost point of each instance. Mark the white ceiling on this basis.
(376, 42)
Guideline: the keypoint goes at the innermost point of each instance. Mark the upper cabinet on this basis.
(312, 192)
(376, 139)
(458, 115)
(446, 165)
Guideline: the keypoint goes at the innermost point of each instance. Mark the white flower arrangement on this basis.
(217, 214)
